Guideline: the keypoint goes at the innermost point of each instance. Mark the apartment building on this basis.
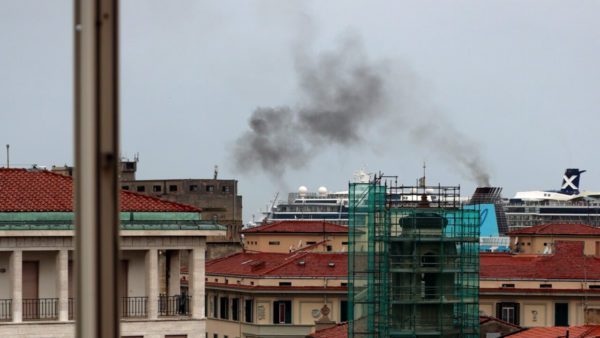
(269, 294)
(218, 199)
(37, 286)
(551, 277)
(287, 236)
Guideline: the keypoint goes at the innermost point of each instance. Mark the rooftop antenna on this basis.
(8, 155)
(216, 172)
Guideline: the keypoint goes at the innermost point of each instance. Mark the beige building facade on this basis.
(551, 277)
(274, 294)
(38, 293)
(288, 236)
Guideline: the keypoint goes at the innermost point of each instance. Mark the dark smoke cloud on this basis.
(341, 92)
(342, 95)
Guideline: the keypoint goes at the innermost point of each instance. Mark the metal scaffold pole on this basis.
(96, 167)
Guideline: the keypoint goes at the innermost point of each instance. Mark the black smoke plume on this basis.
(342, 95)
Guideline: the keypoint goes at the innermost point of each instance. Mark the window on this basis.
(226, 188)
(125, 187)
(248, 310)
(311, 242)
(141, 188)
(224, 307)
(193, 187)
(156, 188)
(329, 248)
(215, 306)
(282, 312)
(235, 309)
(343, 311)
(344, 243)
(561, 314)
(546, 286)
(508, 285)
(594, 286)
(215, 335)
(273, 242)
(210, 188)
(172, 188)
(508, 312)
(285, 283)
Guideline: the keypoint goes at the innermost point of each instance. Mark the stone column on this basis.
(62, 284)
(152, 283)
(196, 280)
(16, 285)
(174, 273)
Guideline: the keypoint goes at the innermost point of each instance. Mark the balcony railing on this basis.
(178, 305)
(5, 309)
(71, 308)
(134, 307)
(40, 308)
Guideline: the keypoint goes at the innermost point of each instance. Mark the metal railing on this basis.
(134, 307)
(5, 309)
(40, 308)
(178, 305)
(71, 308)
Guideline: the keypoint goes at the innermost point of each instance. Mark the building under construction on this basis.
(413, 261)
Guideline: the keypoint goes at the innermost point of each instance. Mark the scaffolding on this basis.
(413, 262)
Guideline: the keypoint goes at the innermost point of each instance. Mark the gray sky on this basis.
(516, 82)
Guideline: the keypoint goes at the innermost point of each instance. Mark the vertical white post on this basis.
(62, 284)
(196, 280)
(152, 282)
(16, 285)
(96, 167)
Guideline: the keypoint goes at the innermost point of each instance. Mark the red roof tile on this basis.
(568, 262)
(559, 229)
(486, 319)
(586, 331)
(23, 190)
(338, 331)
(270, 264)
(298, 227)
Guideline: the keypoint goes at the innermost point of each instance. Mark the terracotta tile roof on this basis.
(23, 190)
(568, 262)
(487, 319)
(338, 331)
(558, 229)
(312, 289)
(270, 264)
(586, 331)
(298, 227)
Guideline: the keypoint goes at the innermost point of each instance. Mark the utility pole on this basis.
(96, 167)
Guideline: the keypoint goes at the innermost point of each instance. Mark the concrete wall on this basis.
(144, 328)
(4, 276)
(539, 311)
(47, 271)
(535, 244)
(260, 242)
(305, 311)
(136, 275)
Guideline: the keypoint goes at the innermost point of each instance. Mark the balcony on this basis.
(5, 310)
(178, 305)
(134, 307)
(40, 309)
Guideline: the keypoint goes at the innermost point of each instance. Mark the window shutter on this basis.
(517, 314)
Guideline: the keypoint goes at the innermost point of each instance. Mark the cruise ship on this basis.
(567, 205)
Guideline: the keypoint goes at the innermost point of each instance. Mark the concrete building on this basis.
(218, 199)
(551, 278)
(37, 290)
(258, 294)
(287, 236)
